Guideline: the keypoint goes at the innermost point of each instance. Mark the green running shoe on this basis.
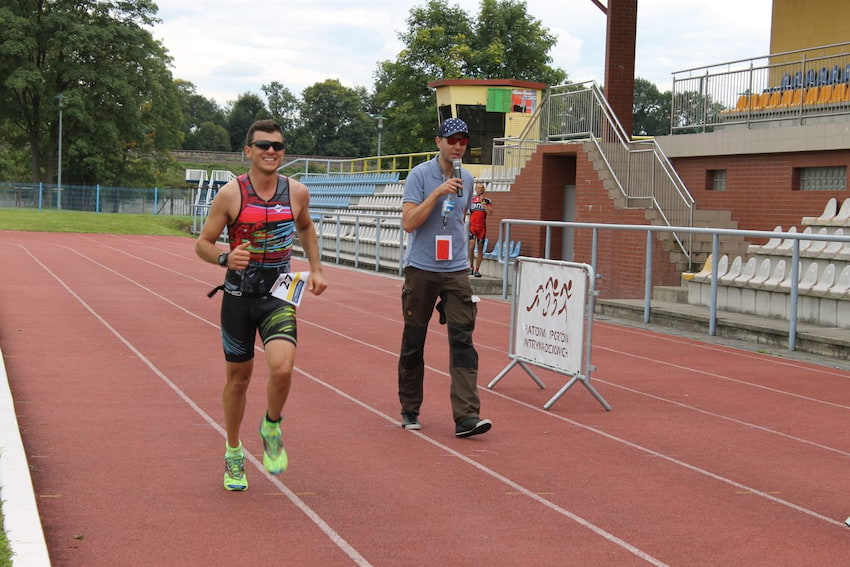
(275, 460)
(234, 473)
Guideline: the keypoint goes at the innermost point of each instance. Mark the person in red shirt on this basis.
(479, 208)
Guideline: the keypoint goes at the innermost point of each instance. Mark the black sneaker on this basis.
(410, 421)
(472, 426)
(477, 274)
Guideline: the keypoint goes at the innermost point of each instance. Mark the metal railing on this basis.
(639, 168)
(97, 198)
(794, 85)
(400, 163)
(716, 233)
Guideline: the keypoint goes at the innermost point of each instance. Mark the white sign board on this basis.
(549, 322)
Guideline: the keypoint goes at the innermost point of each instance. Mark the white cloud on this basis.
(237, 46)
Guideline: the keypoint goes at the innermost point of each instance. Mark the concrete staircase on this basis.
(699, 244)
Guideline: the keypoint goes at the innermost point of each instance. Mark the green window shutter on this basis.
(499, 100)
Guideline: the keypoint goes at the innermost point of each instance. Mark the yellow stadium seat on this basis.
(787, 97)
(773, 102)
(838, 92)
(761, 101)
(740, 106)
(825, 94)
(811, 96)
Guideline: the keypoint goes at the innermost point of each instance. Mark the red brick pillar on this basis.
(620, 59)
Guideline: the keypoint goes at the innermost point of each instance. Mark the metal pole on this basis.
(61, 99)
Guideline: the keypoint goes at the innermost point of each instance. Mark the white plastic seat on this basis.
(786, 244)
(829, 212)
(816, 246)
(762, 274)
(769, 246)
(832, 249)
(747, 272)
(826, 280)
(843, 216)
(841, 287)
(844, 253)
(776, 277)
(809, 279)
(733, 272)
(785, 285)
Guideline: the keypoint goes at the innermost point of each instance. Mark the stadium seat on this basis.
(812, 94)
(495, 252)
(843, 216)
(816, 246)
(785, 285)
(841, 288)
(823, 77)
(809, 279)
(811, 79)
(829, 211)
(762, 274)
(776, 277)
(824, 94)
(733, 272)
(826, 280)
(774, 100)
(761, 101)
(787, 243)
(839, 91)
(832, 249)
(785, 84)
(835, 75)
(748, 270)
(515, 248)
(787, 98)
(740, 105)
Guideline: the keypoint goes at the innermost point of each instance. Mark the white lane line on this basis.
(544, 412)
(337, 539)
(515, 486)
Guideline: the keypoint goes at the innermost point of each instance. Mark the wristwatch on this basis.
(222, 259)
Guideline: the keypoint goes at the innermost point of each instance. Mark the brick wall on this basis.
(760, 190)
(538, 193)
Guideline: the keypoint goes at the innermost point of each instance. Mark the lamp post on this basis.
(61, 98)
(380, 127)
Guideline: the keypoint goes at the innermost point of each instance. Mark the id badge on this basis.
(443, 247)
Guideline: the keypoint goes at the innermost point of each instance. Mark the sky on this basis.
(230, 47)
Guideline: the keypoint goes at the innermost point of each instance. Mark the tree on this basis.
(247, 108)
(198, 110)
(443, 42)
(209, 136)
(119, 97)
(283, 105)
(511, 44)
(334, 121)
(651, 110)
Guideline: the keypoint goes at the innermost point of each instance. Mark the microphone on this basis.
(456, 174)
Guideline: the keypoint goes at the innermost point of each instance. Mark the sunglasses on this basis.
(266, 144)
(461, 141)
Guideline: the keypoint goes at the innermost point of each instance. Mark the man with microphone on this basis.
(436, 197)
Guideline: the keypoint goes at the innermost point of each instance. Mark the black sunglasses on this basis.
(266, 144)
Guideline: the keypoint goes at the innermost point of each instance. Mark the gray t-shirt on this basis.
(421, 250)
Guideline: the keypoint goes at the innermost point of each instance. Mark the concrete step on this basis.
(670, 293)
(829, 342)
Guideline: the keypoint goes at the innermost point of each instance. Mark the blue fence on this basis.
(97, 198)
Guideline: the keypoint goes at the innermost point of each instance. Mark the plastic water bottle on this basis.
(448, 209)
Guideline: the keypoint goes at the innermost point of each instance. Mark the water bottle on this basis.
(448, 209)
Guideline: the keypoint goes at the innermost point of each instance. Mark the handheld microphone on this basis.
(456, 174)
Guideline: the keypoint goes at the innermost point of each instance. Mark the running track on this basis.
(712, 456)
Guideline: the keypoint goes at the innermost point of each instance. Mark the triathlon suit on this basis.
(247, 306)
(477, 218)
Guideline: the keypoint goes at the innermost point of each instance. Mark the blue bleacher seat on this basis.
(494, 253)
(786, 82)
(515, 247)
(835, 75)
(811, 79)
(823, 77)
(847, 74)
(798, 80)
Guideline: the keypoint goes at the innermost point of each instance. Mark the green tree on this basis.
(511, 44)
(120, 101)
(209, 136)
(283, 106)
(651, 109)
(334, 121)
(444, 42)
(197, 110)
(247, 108)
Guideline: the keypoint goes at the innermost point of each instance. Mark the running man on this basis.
(262, 212)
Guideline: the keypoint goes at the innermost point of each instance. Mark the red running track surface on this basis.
(711, 455)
